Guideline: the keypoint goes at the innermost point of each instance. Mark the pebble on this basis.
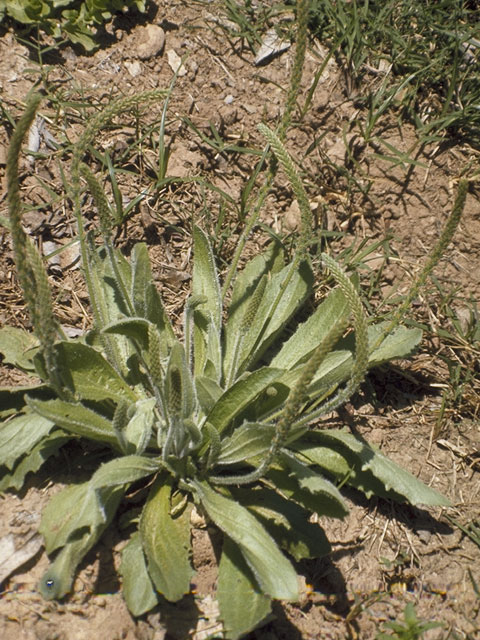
(148, 41)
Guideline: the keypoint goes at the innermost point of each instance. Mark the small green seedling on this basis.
(412, 629)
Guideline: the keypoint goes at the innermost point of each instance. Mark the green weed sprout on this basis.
(412, 629)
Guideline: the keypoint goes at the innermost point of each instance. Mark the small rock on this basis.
(148, 41)
(175, 61)
(272, 45)
(292, 218)
(228, 99)
(134, 68)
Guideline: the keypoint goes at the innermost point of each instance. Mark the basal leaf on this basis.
(208, 392)
(247, 441)
(322, 504)
(122, 471)
(208, 316)
(166, 542)
(137, 587)
(238, 397)
(92, 377)
(155, 312)
(269, 262)
(76, 419)
(140, 426)
(283, 296)
(205, 278)
(18, 347)
(372, 471)
(33, 460)
(135, 328)
(141, 277)
(272, 570)
(236, 584)
(12, 399)
(57, 581)
(313, 482)
(286, 521)
(310, 333)
(19, 435)
(398, 344)
(74, 508)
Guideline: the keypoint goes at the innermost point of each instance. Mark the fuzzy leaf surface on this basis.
(20, 434)
(92, 377)
(76, 419)
(310, 333)
(398, 344)
(135, 328)
(75, 508)
(139, 428)
(12, 399)
(33, 460)
(57, 581)
(137, 587)
(236, 584)
(313, 482)
(238, 397)
(278, 305)
(286, 521)
(122, 471)
(18, 347)
(321, 503)
(272, 570)
(246, 281)
(374, 473)
(208, 316)
(166, 542)
(247, 441)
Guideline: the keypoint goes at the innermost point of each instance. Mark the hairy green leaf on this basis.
(242, 605)
(238, 397)
(286, 522)
(33, 460)
(137, 587)
(12, 399)
(321, 503)
(75, 508)
(92, 377)
(271, 569)
(140, 426)
(135, 328)
(76, 419)
(399, 344)
(309, 334)
(18, 347)
(205, 283)
(20, 434)
(166, 542)
(122, 471)
(370, 470)
(57, 581)
(247, 441)
(283, 296)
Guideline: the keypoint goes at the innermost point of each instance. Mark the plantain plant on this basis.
(217, 420)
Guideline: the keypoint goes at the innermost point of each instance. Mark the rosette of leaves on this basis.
(217, 420)
(70, 19)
